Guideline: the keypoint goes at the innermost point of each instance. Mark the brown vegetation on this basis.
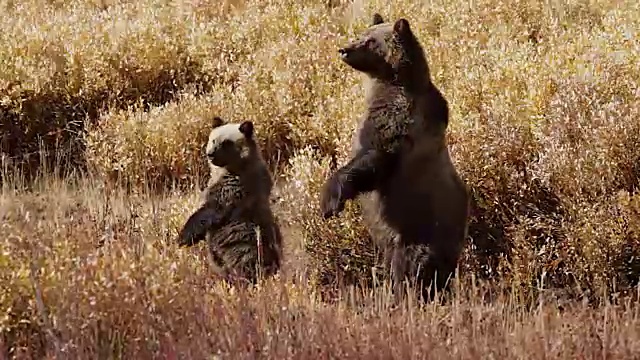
(545, 101)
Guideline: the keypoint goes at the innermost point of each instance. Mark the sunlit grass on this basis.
(544, 101)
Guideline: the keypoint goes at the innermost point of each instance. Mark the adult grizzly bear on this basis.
(414, 203)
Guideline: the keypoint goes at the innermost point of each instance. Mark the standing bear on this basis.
(236, 217)
(414, 203)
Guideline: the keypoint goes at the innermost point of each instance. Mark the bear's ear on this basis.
(246, 128)
(217, 121)
(377, 19)
(401, 27)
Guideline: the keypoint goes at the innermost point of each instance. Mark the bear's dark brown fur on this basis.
(235, 217)
(414, 203)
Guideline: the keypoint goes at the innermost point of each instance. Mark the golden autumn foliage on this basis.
(544, 101)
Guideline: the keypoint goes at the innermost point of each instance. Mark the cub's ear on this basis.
(246, 128)
(217, 121)
(377, 19)
(402, 28)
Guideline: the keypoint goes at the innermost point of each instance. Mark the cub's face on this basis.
(378, 50)
(231, 144)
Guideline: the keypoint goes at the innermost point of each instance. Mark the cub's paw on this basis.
(331, 198)
(196, 227)
(185, 238)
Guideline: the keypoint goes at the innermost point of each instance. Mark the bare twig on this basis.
(54, 338)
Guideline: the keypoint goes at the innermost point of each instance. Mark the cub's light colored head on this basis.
(379, 50)
(231, 145)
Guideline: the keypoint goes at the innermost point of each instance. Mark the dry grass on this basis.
(139, 296)
(545, 102)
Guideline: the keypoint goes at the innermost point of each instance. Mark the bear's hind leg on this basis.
(397, 275)
(420, 269)
(420, 266)
(431, 271)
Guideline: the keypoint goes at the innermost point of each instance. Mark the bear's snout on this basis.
(344, 52)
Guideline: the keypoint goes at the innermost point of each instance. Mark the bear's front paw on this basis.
(183, 241)
(331, 200)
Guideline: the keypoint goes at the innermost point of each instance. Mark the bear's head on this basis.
(387, 51)
(231, 145)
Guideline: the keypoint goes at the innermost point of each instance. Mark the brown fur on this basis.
(414, 203)
(236, 217)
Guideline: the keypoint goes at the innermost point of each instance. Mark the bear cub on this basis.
(235, 216)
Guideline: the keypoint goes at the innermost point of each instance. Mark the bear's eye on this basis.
(226, 144)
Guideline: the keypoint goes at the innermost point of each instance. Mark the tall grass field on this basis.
(105, 108)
